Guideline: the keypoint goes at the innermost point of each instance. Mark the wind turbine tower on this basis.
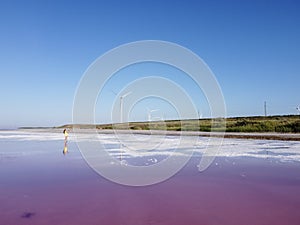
(121, 105)
(298, 109)
(149, 113)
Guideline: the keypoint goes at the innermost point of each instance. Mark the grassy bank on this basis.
(279, 124)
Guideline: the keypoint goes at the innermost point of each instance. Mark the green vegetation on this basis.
(280, 124)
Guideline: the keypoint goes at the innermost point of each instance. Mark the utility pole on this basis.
(265, 106)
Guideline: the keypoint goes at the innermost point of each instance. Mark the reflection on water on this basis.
(65, 151)
(38, 185)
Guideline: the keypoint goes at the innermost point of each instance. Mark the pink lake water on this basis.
(39, 185)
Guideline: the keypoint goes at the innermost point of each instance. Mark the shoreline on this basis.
(257, 136)
(232, 135)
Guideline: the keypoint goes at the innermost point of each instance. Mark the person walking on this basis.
(66, 135)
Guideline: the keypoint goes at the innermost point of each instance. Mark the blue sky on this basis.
(45, 46)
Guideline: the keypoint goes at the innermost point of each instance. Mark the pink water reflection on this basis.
(56, 189)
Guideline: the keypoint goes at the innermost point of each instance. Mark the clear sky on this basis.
(45, 46)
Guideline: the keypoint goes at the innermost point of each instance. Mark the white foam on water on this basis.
(29, 136)
(165, 146)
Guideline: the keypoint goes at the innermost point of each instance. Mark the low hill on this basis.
(279, 124)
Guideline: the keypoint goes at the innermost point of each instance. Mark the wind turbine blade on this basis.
(114, 92)
(128, 93)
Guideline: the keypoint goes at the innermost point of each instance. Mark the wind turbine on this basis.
(121, 103)
(149, 113)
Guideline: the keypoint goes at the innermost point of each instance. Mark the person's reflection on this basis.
(65, 151)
